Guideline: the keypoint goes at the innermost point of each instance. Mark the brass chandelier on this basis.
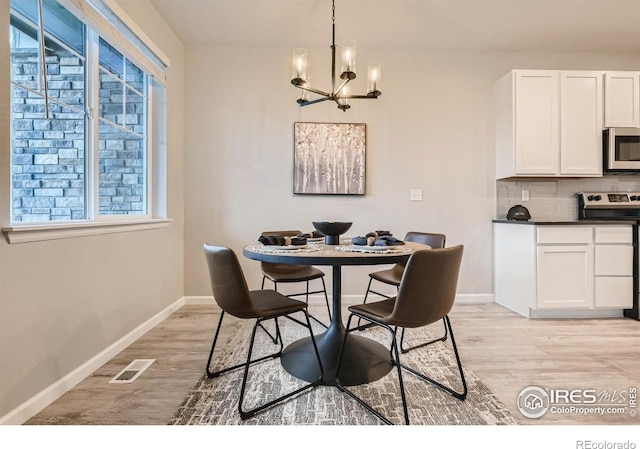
(340, 95)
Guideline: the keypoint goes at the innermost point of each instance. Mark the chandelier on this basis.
(340, 95)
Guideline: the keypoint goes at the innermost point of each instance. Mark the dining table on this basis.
(364, 359)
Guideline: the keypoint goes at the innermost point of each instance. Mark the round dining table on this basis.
(364, 359)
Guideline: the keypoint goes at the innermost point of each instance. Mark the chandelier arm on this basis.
(315, 91)
(337, 92)
(361, 97)
(307, 103)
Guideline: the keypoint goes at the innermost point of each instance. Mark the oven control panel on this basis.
(600, 200)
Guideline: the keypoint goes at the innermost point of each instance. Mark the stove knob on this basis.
(597, 197)
(590, 197)
(633, 198)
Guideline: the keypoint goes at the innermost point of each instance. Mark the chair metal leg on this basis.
(306, 293)
(458, 395)
(211, 374)
(435, 340)
(326, 298)
(245, 414)
(400, 381)
(395, 358)
(307, 300)
(344, 389)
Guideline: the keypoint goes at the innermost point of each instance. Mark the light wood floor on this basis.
(506, 351)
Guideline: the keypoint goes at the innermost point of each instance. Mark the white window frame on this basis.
(155, 217)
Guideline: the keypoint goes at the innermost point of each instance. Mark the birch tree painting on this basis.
(329, 158)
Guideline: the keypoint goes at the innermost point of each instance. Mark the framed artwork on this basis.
(329, 158)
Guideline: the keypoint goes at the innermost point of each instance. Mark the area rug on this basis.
(215, 401)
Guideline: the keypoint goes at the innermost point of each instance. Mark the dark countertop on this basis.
(564, 223)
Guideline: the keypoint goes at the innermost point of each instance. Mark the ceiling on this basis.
(519, 25)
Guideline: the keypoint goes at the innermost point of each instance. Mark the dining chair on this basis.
(231, 293)
(426, 294)
(393, 275)
(285, 273)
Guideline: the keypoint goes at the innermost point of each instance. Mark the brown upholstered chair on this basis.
(285, 273)
(232, 295)
(426, 294)
(393, 275)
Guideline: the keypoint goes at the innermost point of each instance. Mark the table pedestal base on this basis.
(364, 360)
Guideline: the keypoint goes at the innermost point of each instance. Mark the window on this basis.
(122, 134)
(81, 119)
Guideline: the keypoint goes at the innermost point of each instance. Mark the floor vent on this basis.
(132, 371)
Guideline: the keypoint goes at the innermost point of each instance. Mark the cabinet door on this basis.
(581, 123)
(565, 276)
(537, 119)
(622, 99)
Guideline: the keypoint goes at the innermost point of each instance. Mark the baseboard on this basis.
(474, 298)
(576, 313)
(198, 300)
(30, 408)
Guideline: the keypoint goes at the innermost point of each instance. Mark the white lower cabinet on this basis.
(564, 276)
(563, 270)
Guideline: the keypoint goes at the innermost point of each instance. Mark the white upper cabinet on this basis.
(549, 123)
(622, 100)
(537, 123)
(581, 122)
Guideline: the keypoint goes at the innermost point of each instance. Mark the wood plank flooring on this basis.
(506, 351)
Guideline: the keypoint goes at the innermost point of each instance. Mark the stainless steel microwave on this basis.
(621, 150)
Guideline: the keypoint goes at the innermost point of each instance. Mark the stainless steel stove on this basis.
(619, 206)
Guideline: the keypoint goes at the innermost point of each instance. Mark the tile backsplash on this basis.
(555, 199)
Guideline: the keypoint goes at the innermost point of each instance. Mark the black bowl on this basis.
(332, 230)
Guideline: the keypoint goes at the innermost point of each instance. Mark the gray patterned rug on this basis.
(215, 401)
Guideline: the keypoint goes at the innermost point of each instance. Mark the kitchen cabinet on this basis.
(563, 270)
(549, 124)
(622, 99)
(613, 273)
(564, 267)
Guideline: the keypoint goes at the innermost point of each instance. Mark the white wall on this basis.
(64, 301)
(432, 129)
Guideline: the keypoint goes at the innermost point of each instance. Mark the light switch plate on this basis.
(525, 195)
(416, 194)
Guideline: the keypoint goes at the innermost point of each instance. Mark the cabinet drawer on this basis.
(564, 235)
(614, 234)
(614, 260)
(614, 292)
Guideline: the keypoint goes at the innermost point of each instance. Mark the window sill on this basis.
(23, 233)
